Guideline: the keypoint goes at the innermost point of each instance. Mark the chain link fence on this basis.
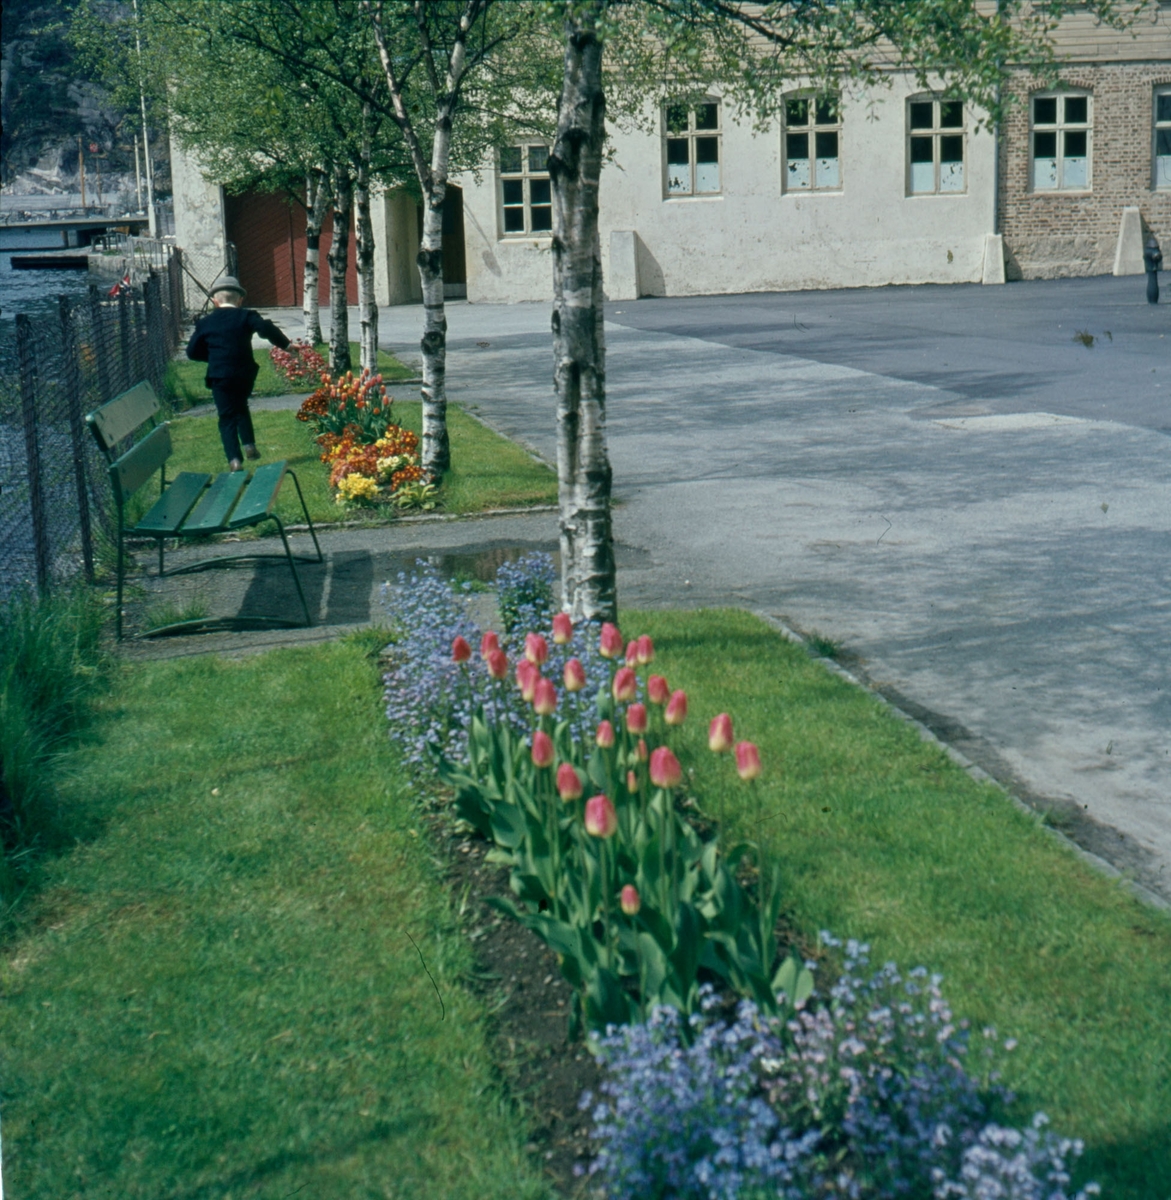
(56, 508)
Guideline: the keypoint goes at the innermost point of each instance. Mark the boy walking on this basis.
(223, 340)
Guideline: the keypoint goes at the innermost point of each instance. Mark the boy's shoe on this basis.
(234, 464)
(251, 452)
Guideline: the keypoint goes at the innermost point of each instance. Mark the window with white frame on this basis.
(692, 145)
(1163, 137)
(1060, 141)
(526, 197)
(936, 134)
(812, 133)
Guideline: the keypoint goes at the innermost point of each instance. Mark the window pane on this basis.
(707, 116)
(538, 158)
(513, 191)
(951, 176)
(707, 150)
(827, 144)
(797, 111)
(797, 173)
(828, 173)
(1075, 143)
(798, 144)
(1076, 110)
(676, 118)
(1075, 172)
(827, 110)
(922, 177)
(678, 166)
(921, 151)
(1163, 107)
(1163, 141)
(542, 217)
(1163, 170)
(707, 164)
(951, 114)
(510, 159)
(951, 149)
(1044, 173)
(1045, 110)
(539, 191)
(922, 115)
(514, 220)
(1044, 145)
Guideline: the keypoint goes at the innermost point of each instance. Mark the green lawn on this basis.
(488, 471)
(184, 384)
(883, 838)
(215, 993)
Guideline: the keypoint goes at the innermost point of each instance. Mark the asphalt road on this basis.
(973, 504)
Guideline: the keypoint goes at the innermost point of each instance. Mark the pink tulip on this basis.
(542, 749)
(632, 654)
(645, 650)
(536, 649)
(488, 643)
(665, 769)
(544, 697)
(676, 712)
(630, 900)
(611, 645)
(526, 678)
(605, 736)
(574, 676)
(631, 782)
(719, 733)
(640, 751)
(460, 650)
(562, 629)
(601, 821)
(636, 718)
(568, 782)
(625, 685)
(657, 690)
(497, 663)
(747, 760)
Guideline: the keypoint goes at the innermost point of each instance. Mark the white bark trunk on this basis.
(436, 456)
(339, 253)
(588, 582)
(364, 230)
(316, 206)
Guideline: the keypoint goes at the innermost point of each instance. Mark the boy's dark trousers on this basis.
(231, 402)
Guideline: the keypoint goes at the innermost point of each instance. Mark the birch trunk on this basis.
(588, 582)
(316, 206)
(367, 304)
(436, 457)
(339, 253)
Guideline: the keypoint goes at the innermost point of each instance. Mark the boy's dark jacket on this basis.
(223, 340)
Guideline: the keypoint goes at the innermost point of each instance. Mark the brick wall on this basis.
(1051, 234)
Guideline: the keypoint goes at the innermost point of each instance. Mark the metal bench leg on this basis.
(308, 518)
(293, 566)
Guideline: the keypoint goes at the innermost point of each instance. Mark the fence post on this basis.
(98, 330)
(28, 403)
(124, 335)
(72, 378)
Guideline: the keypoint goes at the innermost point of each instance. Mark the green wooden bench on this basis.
(192, 505)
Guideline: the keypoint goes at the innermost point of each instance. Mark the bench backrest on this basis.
(140, 462)
(119, 418)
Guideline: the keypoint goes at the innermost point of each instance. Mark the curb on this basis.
(426, 518)
(975, 772)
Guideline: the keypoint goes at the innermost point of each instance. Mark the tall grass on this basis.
(50, 663)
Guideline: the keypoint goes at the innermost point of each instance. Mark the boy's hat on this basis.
(227, 283)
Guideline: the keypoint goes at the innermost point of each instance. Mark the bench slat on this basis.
(141, 461)
(175, 503)
(120, 417)
(257, 500)
(212, 511)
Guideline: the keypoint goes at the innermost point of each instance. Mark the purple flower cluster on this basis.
(862, 1094)
(524, 593)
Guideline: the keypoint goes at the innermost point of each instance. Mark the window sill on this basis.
(539, 240)
(797, 193)
(937, 195)
(704, 196)
(1043, 192)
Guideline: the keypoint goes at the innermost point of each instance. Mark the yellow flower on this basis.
(356, 489)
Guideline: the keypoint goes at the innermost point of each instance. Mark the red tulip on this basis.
(562, 629)
(657, 690)
(719, 733)
(676, 712)
(568, 782)
(636, 718)
(497, 664)
(542, 749)
(625, 685)
(611, 645)
(605, 736)
(665, 769)
(460, 650)
(526, 678)
(632, 654)
(747, 760)
(631, 782)
(488, 643)
(574, 675)
(544, 697)
(536, 648)
(645, 650)
(601, 821)
(630, 900)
